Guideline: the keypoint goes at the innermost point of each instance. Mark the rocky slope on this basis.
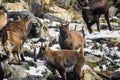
(102, 48)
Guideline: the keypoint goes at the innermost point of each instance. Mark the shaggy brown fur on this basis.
(92, 15)
(13, 36)
(64, 61)
(3, 19)
(71, 40)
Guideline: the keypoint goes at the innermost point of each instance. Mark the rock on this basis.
(97, 69)
(66, 3)
(33, 29)
(91, 58)
(18, 6)
(90, 74)
(44, 30)
(15, 71)
(31, 77)
(112, 10)
(36, 8)
(117, 4)
(1, 70)
(53, 18)
(2, 66)
(57, 11)
(0, 2)
(115, 75)
(47, 2)
(117, 13)
(104, 68)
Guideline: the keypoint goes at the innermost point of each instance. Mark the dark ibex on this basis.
(92, 13)
(70, 39)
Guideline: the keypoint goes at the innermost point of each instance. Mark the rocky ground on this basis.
(102, 51)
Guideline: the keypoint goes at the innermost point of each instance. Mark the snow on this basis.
(104, 68)
(96, 52)
(55, 47)
(117, 53)
(85, 67)
(104, 34)
(37, 71)
(54, 33)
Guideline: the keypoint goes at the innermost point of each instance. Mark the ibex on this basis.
(64, 61)
(92, 13)
(70, 39)
(3, 19)
(13, 36)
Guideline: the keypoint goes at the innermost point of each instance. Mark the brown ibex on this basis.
(70, 39)
(13, 36)
(3, 19)
(64, 61)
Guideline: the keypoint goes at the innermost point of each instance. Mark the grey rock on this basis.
(15, 71)
(37, 9)
(117, 13)
(115, 75)
(53, 18)
(33, 30)
(2, 65)
(31, 77)
(112, 10)
(90, 74)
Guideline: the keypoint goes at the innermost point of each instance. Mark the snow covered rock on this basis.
(15, 71)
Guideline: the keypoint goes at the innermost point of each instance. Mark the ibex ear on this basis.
(27, 21)
(19, 18)
(66, 26)
(59, 25)
(47, 45)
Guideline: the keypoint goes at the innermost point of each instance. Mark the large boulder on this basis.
(15, 71)
(117, 13)
(60, 13)
(53, 18)
(115, 75)
(34, 29)
(36, 8)
(112, 11)
(30, 77)
(90, 74)
(47, 2)
(18, 6)
(117, 5)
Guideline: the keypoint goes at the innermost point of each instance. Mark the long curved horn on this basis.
(40, 23)
(26, 17)
(82, 6)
